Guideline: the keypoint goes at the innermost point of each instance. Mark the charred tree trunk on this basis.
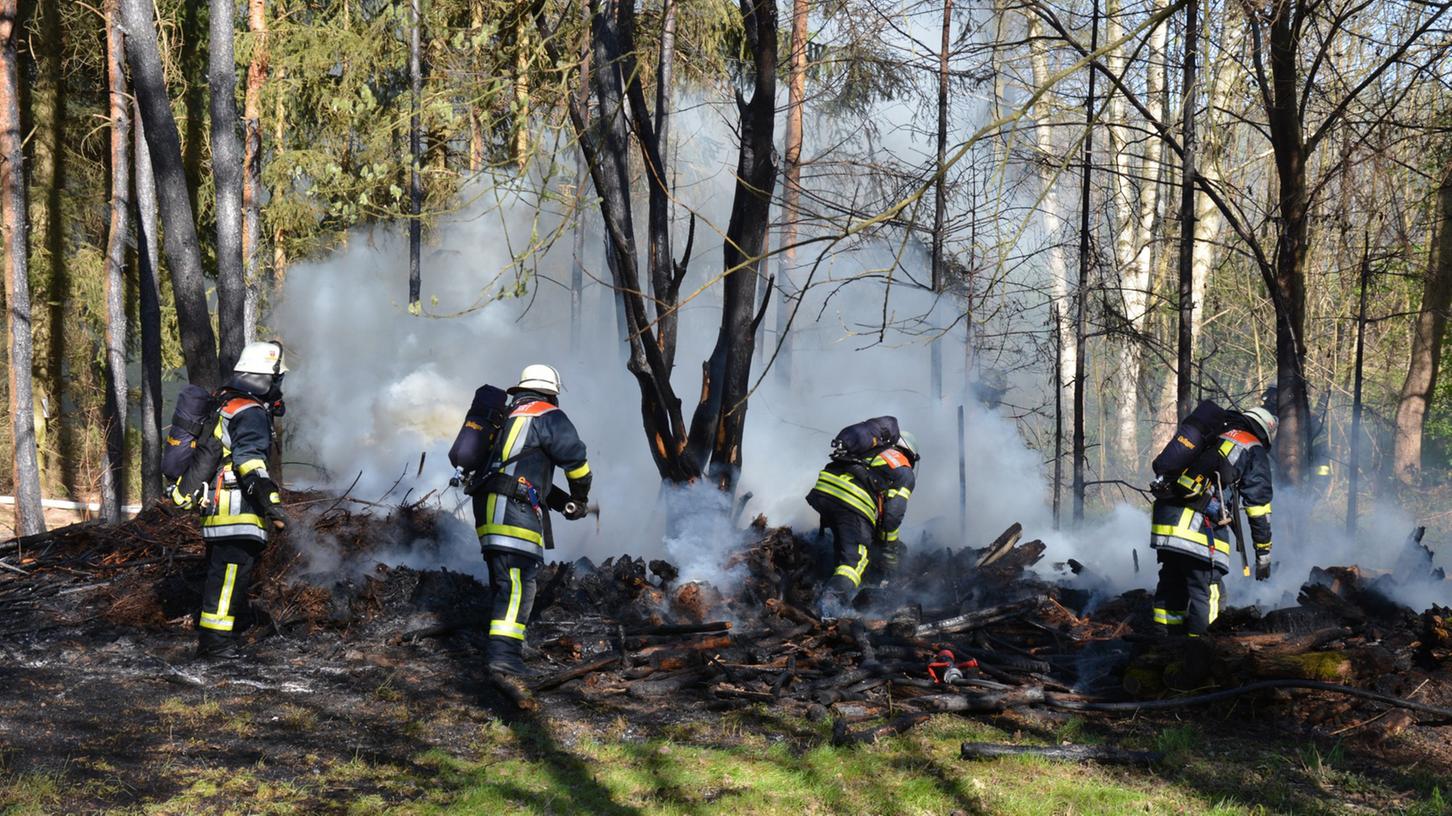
(940, 201)
(29, 514)
(792, 187)
(227, 171)
(415, 154)
(149, 313)
(252, 166)
(1427, 333)
(743, 253)
(116, 392)
(199, 345)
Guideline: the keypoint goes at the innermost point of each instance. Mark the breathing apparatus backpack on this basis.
(854, 446)
(482, 424)
(192, 452)
(1187, 467)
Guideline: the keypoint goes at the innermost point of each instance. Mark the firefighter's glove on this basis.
(1262, 563)
(576, 509)
(267, 497)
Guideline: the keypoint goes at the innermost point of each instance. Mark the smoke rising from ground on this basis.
(374, 387)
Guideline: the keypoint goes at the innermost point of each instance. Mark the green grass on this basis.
(758, 763)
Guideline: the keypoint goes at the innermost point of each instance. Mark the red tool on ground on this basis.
(944, 668)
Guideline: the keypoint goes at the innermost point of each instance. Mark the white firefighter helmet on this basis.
(539, 377)
(1264, 420)
(262, 357)
(909, 443)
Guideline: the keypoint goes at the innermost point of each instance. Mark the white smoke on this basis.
(374, 387)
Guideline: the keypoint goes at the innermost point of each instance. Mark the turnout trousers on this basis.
(230, 562)
(852, 535)
(512, 580)
(1187, 598)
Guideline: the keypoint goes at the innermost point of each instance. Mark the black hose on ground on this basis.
(1217, 696)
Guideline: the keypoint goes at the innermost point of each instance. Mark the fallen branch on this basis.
(598, 664)
(975, 619)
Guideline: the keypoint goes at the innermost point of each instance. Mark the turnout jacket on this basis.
(512, 509)
(245, 431)
(878, 489)
(1188, 527)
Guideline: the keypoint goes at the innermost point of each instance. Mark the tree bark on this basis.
(1053, 209)
(252, 166)
(1184, 357)
(1081, 293)
(745, 242)
(415, 153)
(29, 514)
(791, 188)
(227, 171)
(1427, 333)
(149, 313)
(199, 345)
(116, 402)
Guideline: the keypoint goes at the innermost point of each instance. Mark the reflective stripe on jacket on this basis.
(245, 431)
(1174, 526)
(536, 438)
(882, 500)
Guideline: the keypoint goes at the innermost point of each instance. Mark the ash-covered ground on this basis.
(365, 662)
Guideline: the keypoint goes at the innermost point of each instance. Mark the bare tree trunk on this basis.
(1053, 210)
(29, 514)
(1427, 333)
(149, 313)
(521, 95)
(745, 246)
(792, 188)
(227, 170)
(114, 488)
(252, 166)
(1081, 295)
(199, 345)
(415, 153)
(1184, 355)
(476, 114)
(1136, 185)
(940, 200)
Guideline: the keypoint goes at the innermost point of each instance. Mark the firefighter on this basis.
(245, 502)
(1192, 538)
(863, 501)
(512, 505)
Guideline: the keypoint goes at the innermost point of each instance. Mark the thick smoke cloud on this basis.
(375, 387)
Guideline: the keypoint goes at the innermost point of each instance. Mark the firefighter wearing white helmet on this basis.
(1192, 535)
(246, 502)
(512, 506)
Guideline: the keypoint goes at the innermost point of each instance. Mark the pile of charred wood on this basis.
(973, 630)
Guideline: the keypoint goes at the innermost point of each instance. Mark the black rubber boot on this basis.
(505, 661)
(217, 646)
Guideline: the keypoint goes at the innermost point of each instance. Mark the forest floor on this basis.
(106, 710)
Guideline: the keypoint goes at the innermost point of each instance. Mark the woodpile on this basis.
(634, 629)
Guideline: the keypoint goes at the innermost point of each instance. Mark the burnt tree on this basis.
(183, 254)
(148, 312)
(711, 444)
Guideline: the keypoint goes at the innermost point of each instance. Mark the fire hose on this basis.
(1227, 694)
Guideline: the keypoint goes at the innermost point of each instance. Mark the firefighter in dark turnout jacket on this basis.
(512, 507)
(1192, 538)
(244, 501)
(863, 503)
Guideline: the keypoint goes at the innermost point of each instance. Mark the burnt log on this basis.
(598, 664)
(975, 619)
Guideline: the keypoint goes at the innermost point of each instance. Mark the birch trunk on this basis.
(1053, 210)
